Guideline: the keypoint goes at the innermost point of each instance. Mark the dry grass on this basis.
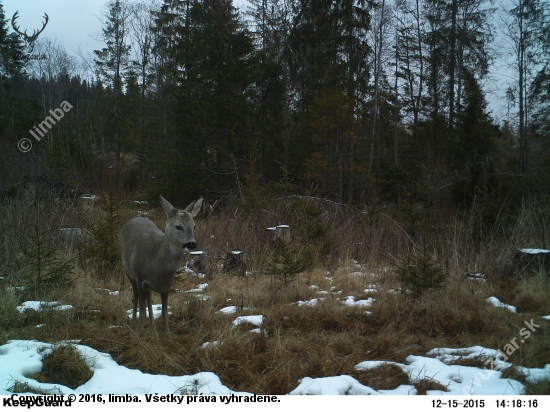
(532, 294)
(23, 387)
(64, 366)
(386, 376)
(542, 388)
(426, 384)
(296, 341)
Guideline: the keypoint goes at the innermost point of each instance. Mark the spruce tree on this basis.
(45, 266)
(209, 49)
(12, 69)
(12, 55)
(112, 61)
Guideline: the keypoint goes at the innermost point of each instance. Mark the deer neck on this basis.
(169, 254)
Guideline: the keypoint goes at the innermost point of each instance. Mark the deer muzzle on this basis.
(190, 245)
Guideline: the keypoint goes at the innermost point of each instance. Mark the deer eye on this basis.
(178, 227)
(194, 227)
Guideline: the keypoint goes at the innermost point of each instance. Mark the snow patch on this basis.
(254, 319)
(534, 251)
(157, 312)
(497, 303)
(38, 306)
(350, 301)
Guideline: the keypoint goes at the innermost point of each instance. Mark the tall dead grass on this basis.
(294, 341)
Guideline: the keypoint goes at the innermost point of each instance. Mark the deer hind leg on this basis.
(151, 315)
(134, 301)
(142, 297)
(164, 300)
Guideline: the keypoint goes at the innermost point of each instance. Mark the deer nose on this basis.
(190, 245)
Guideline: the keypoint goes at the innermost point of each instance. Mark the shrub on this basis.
(44, 266)
(419, 272)
(105, 232)
(285, 263)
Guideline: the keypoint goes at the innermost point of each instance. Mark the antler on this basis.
(16, 28)
(35, 33)
(34, 36)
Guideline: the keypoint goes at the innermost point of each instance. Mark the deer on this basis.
(150, 257)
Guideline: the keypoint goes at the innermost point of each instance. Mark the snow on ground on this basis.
(311, 302)
(110, 292)
(495, 361)
(536, 375)
(90, 197)
(254, 319)
(479, 277)
(19, 358)
(210, 344)
(198, 289)
(459, 380)
(350, 301)
(157, 312)
(534, 251)
(259, 331)
(332, 385)
(497, 303)
(38, 305)
(228, 310)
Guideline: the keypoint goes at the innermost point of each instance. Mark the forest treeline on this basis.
(362, 102)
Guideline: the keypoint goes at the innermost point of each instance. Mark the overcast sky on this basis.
(72, 22)
(75, 23)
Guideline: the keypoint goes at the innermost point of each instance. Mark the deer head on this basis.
(180, 227)
(29, 39)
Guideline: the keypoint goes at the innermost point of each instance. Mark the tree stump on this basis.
(235, 262)
(279, 235)
(198, 261)
(532, 259)
(69, 235)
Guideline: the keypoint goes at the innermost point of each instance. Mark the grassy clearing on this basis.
(295, 341)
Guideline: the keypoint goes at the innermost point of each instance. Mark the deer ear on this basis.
(194, 207)
(170, 210)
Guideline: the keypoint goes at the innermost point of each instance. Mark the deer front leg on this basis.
(164, 300)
